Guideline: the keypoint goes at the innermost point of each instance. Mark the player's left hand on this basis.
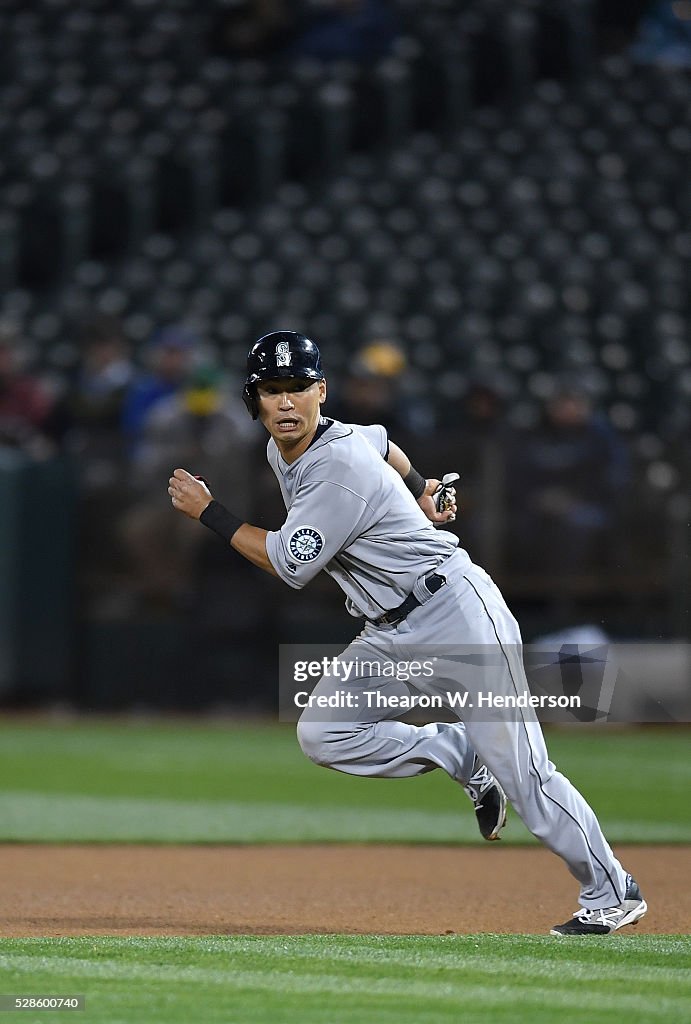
(437, 512)
(188, 494)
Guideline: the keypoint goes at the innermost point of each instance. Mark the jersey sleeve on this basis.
(376, 435)
(321, 523)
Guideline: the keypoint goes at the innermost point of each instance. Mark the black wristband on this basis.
(217, 517)
(415, 483)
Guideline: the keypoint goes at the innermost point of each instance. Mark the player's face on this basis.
(289, 409)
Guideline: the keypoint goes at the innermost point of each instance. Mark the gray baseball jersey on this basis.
(350, 514)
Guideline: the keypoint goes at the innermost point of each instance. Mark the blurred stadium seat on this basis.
(492, 193)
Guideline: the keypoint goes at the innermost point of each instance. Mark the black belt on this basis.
(433, 582)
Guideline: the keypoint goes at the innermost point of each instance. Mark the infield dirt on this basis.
(49, 890)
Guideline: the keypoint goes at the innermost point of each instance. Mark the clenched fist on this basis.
(188, 493)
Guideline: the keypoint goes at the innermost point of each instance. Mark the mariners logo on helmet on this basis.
(280, 354)
(283, 354)
(306, 543)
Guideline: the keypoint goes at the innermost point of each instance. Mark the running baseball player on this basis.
(357, 509)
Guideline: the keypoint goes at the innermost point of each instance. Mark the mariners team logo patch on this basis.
(283, 354)
(306, 543)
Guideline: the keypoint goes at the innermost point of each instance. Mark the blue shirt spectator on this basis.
(170, 353)
(359, 30)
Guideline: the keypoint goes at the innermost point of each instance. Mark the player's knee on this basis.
(311, 737)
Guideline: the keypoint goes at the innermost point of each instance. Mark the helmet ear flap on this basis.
(250, 401)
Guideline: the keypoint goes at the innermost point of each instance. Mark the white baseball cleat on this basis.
(611, 919)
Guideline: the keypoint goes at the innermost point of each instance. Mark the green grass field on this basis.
(197, 782)
(356, 979)
(248, 783)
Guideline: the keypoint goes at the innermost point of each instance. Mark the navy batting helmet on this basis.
(280, 354)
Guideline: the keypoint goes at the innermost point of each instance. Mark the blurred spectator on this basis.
(169, 354)
(479, 449)
(664, 35)
(88, 419)
(567, 480)
(616, 22)
(254, 28)
(482, 410)
(25, 404)
(376, 390)
(92, 407)
(359, 30)
(202, 428)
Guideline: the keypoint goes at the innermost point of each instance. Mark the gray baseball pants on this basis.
(476, 640)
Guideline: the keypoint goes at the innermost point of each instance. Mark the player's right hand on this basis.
(188, 494)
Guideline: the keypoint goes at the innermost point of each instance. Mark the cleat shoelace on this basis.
(607, 917)
(478, 783)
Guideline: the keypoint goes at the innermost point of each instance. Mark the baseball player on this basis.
(357, 509)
